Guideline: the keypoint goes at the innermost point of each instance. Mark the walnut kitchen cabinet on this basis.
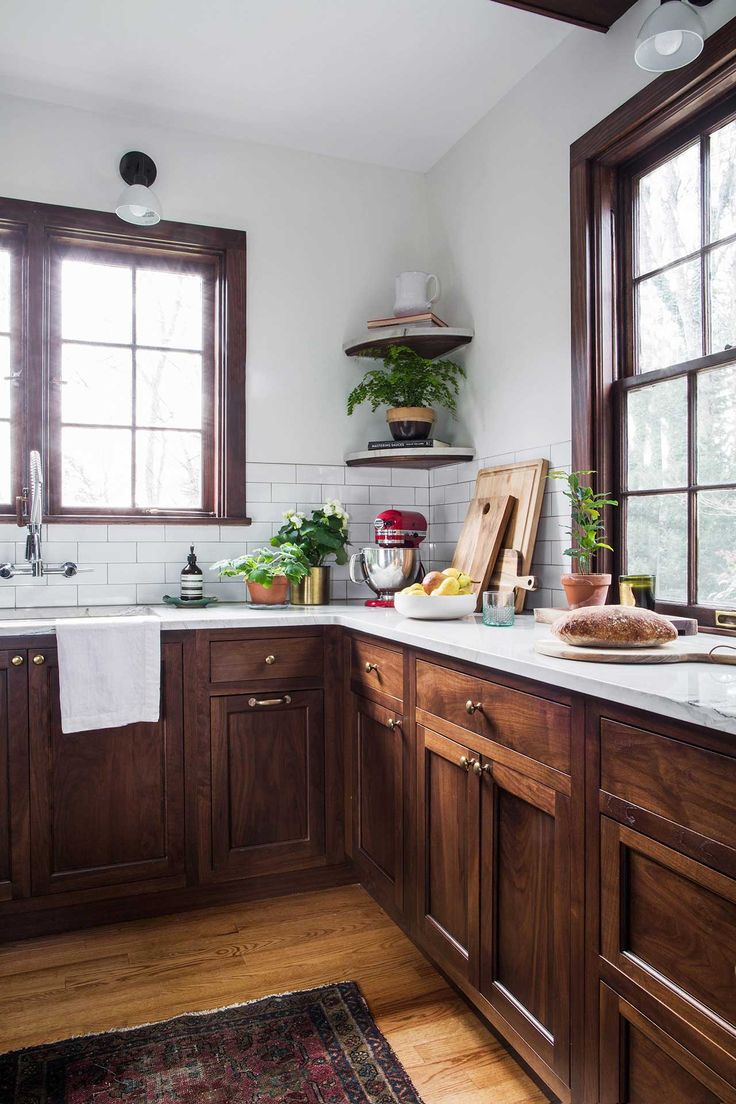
(14, 811)
(107, 806)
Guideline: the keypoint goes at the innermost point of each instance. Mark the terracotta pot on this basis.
(275, 595)
(410, 423)
(585, 590)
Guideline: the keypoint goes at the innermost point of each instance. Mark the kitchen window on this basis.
(677, 408)
(653, 257)
(123, 363)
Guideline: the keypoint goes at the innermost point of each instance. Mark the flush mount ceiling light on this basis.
(671, 37)
(138, 204)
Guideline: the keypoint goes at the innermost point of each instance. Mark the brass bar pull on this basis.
(285, 700)
(726, 619)
(17, 661)
(394, 722)
(39, 660)
(371, 667)
(473, 707)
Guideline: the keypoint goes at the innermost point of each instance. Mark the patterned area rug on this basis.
(320, 1046)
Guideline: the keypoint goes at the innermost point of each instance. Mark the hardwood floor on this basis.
(147, 970)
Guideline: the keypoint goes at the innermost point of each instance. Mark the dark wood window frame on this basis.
(34, 231)
(598, 162)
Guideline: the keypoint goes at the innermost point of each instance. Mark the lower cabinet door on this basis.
(525, 910)
(268, 782)
(14, 857)
(378, 756)
(641, 1064)
(107, 806)
(448, 853)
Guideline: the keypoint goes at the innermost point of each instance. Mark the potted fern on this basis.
(587, 532)
(408, 384)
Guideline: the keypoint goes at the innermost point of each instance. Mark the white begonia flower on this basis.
(287, 514)
(297, 521)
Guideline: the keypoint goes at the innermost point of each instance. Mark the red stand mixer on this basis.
(394, 561)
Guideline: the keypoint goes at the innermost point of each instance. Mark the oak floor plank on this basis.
(149, 970)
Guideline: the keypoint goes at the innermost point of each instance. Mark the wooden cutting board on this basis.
(686, 626)
(477, 549)
(525, 482)
(507, 572)
(679, 651)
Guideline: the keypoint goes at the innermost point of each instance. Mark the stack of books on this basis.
(425, 319)
(431, 442)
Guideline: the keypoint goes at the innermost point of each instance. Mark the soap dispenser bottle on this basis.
(191, 579)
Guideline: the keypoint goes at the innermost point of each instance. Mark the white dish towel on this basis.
(109, 671)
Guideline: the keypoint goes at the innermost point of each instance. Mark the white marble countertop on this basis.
(698, 693)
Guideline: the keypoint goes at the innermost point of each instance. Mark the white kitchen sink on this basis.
(45, 616)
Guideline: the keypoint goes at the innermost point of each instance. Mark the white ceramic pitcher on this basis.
(413, 294)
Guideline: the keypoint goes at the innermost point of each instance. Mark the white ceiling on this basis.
(393, 82)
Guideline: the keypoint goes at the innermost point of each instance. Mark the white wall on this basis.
(499, 218)
(325, 237)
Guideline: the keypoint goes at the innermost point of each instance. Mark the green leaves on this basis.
(407, 379)
(323, 534)
(264, 565)
(587, 511)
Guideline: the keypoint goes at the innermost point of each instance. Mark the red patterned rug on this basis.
(320, 1046)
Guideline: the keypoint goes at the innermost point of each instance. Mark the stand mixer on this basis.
(394, 561)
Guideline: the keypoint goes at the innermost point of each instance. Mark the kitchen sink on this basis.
(50, 614)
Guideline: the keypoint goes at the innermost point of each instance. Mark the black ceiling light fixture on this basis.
(138, 203)
(671, 37)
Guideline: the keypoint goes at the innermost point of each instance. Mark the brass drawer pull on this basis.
(371, 667)
(473, 707)
(17, 661)
(477, 768)
(285, 700)
(394, 722)
(39, 660)
(270, 660)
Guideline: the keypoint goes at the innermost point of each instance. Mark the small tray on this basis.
(191, 603)
(267, 605)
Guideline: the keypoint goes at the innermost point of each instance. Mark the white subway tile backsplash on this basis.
(134, 532)
(272, 473)
(137, 573)
(409, 477)
(291, 492)
(31, 598)
(368, 477)
(92, 532)
(107, 552)
(7, 596)
(88, 573)
(348, 496)
(257, 492)
(190, 533)
(392, 496)
(320, 473)
(111, 595)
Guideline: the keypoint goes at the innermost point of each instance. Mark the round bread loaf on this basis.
(614, 627)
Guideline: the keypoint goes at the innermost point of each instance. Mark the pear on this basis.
(449, 586)
(452, 573)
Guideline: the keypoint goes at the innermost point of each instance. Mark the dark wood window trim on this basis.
(35, 230)
(666, 107)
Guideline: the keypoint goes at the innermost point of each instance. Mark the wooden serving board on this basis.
(477, 549)
(507, 572)
(678, 651)
(525, 482)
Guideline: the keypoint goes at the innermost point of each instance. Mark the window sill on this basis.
(133, 519)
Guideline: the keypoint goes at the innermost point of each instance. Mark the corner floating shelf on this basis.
(410, 458)
(430, 341)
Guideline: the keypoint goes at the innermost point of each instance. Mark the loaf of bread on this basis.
(614, 627)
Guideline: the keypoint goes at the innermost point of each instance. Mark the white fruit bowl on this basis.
(445, 607)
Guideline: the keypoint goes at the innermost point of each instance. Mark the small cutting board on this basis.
(679, 651)
(480, 539)
(507, 573)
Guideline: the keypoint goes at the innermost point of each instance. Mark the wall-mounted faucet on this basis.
(34, 564)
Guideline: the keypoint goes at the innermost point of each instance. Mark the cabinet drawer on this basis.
(374, 668)
(691, 786)
(266, 658)
(669, 923)
(532, 726)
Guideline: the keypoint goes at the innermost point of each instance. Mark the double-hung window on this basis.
(122, 353)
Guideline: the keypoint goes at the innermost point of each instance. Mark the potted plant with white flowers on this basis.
(320, 536)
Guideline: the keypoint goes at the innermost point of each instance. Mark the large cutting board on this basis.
(679, 651)
(477, 549)
(525, 482)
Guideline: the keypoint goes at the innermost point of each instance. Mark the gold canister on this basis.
(313, 590)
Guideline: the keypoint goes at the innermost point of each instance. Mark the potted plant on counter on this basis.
(587, 531)
(408, 384)
(267, 572)
(318, 537)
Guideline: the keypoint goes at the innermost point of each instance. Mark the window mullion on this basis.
(134, 385)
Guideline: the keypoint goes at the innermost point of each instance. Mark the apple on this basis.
(432, 580)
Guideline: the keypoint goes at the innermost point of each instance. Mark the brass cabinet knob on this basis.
(39, 660)
(487, 769)
(270, 660)
(473, 707)
(17, 661)
(477, 768)
(370, 667)
(466, 763)
(394, 722)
